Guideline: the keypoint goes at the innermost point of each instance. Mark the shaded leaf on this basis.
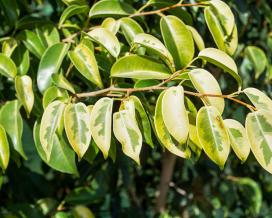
(20, 56)
(4, 149)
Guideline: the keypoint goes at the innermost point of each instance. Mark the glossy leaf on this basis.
(50, 122)
(238, 139)
(154, 45)
(213, 135)
(113, 8)
(205, 83)
(222, 60)
(259, 132)
(50, 64)
(197, 38)
(24, 91)
(85, 62)
(174, 114)
(101, 124)
(130, 28)
(48, 34)
(178, 40)
(4, 149)
(77, 127)
(139, 67)
(128, 134)
(259, 99)
(11, 120)
(60, 81)
(106, 39)
(20, 56)
(111, 24)
(62, 157)
(164, 135)
(7, 66)
(54, 93)
(9, 46)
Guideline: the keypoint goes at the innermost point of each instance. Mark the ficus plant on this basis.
(107, 75)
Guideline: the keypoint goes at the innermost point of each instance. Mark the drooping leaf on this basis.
(24, 91)
(110, 8)
(259, 132)
(4, 149)
(174, 114)
(20, 56)
(101, 123)
(50, 64)
(7, 66)
(111, 24)
(205, 83)
(178, 39)
(197, 38)
(50, 122)
(139, 67)
(60, 81)
(62, 157)
(259, 99)
(71, 11)
(11, 121)
(213, 135)
(222, 60)
(77, 127)
(164, 135)
(154, 45)
(238, 139)
(48, 34)
(128, 134)
(130, 28)
(258, 59)
(85, 62)
(106, 39)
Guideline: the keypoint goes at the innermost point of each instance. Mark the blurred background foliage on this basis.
(122, 189)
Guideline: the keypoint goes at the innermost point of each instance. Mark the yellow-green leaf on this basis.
(51, 120)
(4, 149)
(101, 121)
(205, 83)
(20, 56)
(128, 134)
(54, 93)
(238, 139)
(111, 24)
(213, 135)
(60, 81)
(259, 99)
(77, 127)
(7, 66)
(164, 135)
(259, 132)
(24, 91)
(197, 38)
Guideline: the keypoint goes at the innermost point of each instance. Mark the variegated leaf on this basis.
(101, 121)
(259, 99)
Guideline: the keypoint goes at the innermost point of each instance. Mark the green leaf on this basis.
(205, 83)
(4, 149)
(85, 62)
(221, 60)
(259, 99)
(9, 46)
(213, 135)
(178, 39)
(62, 157)
(50, 64)
(101, 119)
(164, 135)
(7, 66)
(51, 120)
(111, 24)
(130, 28)
(154, 45)
(106, 39)
(128, 134)
(139, 67)
(48, 34)
(238, 139)
(32, 43)
(197, 38)
(60, 81)
(259, 132)
(11, 11)
(75, 2)
(81, 211)
(174, 114)
(11, 120)
(258, 59)
(20, 56)
(71, 11)
(24, 91)
(77, 127)
(54, 93)
(111, 8)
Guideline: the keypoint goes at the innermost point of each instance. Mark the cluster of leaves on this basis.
(148, 66)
